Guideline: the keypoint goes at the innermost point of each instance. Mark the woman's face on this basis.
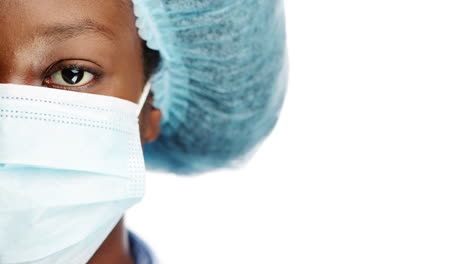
(84, 46)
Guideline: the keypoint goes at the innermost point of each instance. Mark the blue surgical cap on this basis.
(221, 82)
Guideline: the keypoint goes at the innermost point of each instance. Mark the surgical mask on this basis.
(71, 164)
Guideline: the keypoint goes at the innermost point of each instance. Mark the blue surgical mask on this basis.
(71, 164)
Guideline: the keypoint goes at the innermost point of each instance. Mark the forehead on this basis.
(23, 20)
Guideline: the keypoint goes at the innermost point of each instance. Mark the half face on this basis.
(83, 46)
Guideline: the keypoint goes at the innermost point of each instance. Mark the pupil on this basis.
(72, 76)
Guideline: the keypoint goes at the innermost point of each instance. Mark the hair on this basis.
(151, 61)
(151, 58)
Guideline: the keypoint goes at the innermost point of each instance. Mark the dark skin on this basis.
(95, 39)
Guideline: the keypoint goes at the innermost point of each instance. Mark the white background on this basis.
(368, 163)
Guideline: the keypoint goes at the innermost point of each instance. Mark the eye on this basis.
(70, 77)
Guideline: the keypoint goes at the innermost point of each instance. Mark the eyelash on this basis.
(97, 75)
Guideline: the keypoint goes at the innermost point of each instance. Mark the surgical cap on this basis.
(221, 82)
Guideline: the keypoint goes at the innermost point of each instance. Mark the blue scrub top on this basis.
(141, 252)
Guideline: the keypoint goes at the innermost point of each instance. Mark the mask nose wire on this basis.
(143, 97)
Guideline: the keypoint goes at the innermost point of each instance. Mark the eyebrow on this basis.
(60, 32)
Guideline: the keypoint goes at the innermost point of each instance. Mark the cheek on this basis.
(127, 59)
(131, 74)
(127, 78)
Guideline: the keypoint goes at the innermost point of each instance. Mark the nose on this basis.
(16, 75)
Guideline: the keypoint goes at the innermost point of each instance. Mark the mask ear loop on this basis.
(144, 95)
